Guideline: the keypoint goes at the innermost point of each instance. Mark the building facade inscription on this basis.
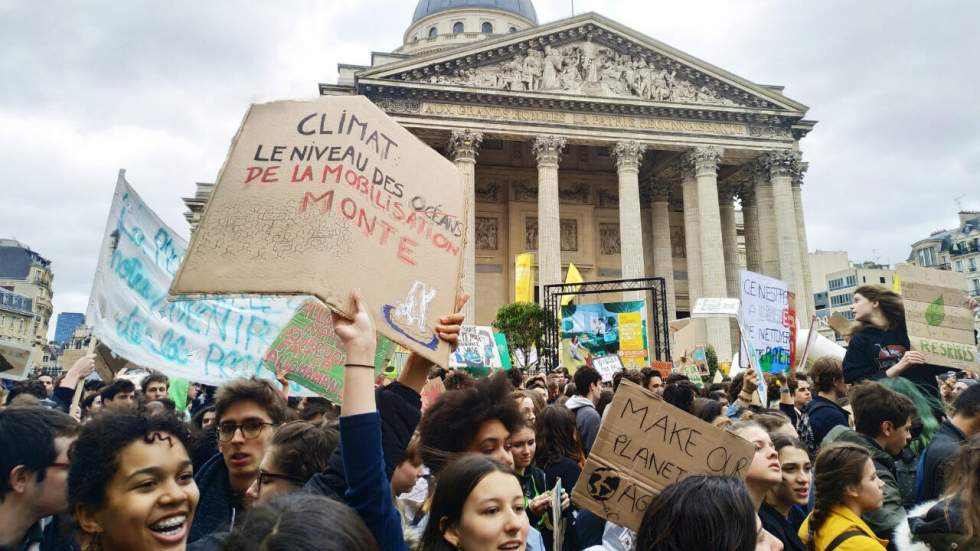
(588, 120)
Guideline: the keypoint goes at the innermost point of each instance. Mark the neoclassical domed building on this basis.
(587, 142)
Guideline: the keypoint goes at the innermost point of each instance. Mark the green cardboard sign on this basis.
(309, 352)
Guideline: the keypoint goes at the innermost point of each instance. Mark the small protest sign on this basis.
(476, 351)
(433, 389)
(309, 352)
(939, 322)
(324, 196)
(15, 360)
(767, 320)
(607, 366)
(716, 307)
(107, 364)
(839, 324)
(645, 444)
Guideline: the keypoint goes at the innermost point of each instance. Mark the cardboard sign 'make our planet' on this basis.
(320, 197)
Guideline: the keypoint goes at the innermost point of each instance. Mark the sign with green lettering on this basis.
(937, 313)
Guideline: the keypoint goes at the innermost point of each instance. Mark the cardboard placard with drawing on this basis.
(645, 444)
(321, 197)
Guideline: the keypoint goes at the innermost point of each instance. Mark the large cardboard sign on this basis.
(15, 360)
(645, 444)
(940, 324)
(310, 353)
(206, 341)
(320, 197)
(590, 331)
(476, 351)
(767, 316)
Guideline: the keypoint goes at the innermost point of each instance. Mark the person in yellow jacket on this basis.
(847, 485)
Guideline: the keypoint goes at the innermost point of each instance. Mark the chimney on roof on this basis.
(967, 215)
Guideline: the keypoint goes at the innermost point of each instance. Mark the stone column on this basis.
(750, 221)
(463, 148)
(713, 275)
(629, 155)
(548, 151)
(729, 237)
(768, 250)
(782, 166)
(692, 241)
(663, 253)
(807, 289)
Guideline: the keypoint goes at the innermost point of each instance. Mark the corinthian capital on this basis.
(464, 145)
(629, 155)
(782, 163)
(548, 149)
(799, 174)
(703, 159)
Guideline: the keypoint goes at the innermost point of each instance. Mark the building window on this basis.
(513, 29)
(433, 32)
(458, 27)
(973, 264)
(881, 280)
(487, 27)
(959, 266)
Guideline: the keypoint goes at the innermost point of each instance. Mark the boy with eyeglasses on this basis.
(247, 414)
(34, 463)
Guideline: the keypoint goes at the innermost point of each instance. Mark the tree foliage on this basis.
(523, 325)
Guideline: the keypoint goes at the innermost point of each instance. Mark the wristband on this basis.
(359, 365)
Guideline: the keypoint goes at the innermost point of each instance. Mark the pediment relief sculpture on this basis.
(589, 69)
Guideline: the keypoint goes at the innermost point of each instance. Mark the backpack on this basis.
(805, 429)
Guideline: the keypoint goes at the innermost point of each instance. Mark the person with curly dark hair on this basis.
(131, 484)
(478, 419)
(847, 486)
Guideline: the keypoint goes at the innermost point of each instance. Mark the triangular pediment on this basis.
(586, 57)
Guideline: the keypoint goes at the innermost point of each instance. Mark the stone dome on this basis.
(523, 8)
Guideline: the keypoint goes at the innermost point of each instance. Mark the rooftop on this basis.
(523, 8)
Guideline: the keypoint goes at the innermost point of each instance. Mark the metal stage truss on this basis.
(655, 293)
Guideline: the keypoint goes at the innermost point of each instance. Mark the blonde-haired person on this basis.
(847, 486)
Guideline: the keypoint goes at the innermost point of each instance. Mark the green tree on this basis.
(711, 358)
(523, 325)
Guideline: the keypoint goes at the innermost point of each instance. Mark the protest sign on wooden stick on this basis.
(320, 197)
(643, 445)
(939, 321)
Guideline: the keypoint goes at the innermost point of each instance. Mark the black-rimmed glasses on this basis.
(251, 429)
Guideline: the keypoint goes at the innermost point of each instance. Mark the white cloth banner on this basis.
(207, 341)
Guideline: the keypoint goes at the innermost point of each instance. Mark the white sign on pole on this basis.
(607, 366)
(207, 341)
(765, 307)
(716, 307)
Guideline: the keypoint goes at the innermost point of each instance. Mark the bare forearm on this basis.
(416, 372)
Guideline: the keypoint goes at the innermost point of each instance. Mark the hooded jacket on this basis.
(218, 505)
(587, 420)
(934, 526)
(892, 512)
(936, 458)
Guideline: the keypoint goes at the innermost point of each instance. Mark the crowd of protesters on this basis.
(880, 451)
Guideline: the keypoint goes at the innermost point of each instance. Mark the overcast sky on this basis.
(159, 88)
